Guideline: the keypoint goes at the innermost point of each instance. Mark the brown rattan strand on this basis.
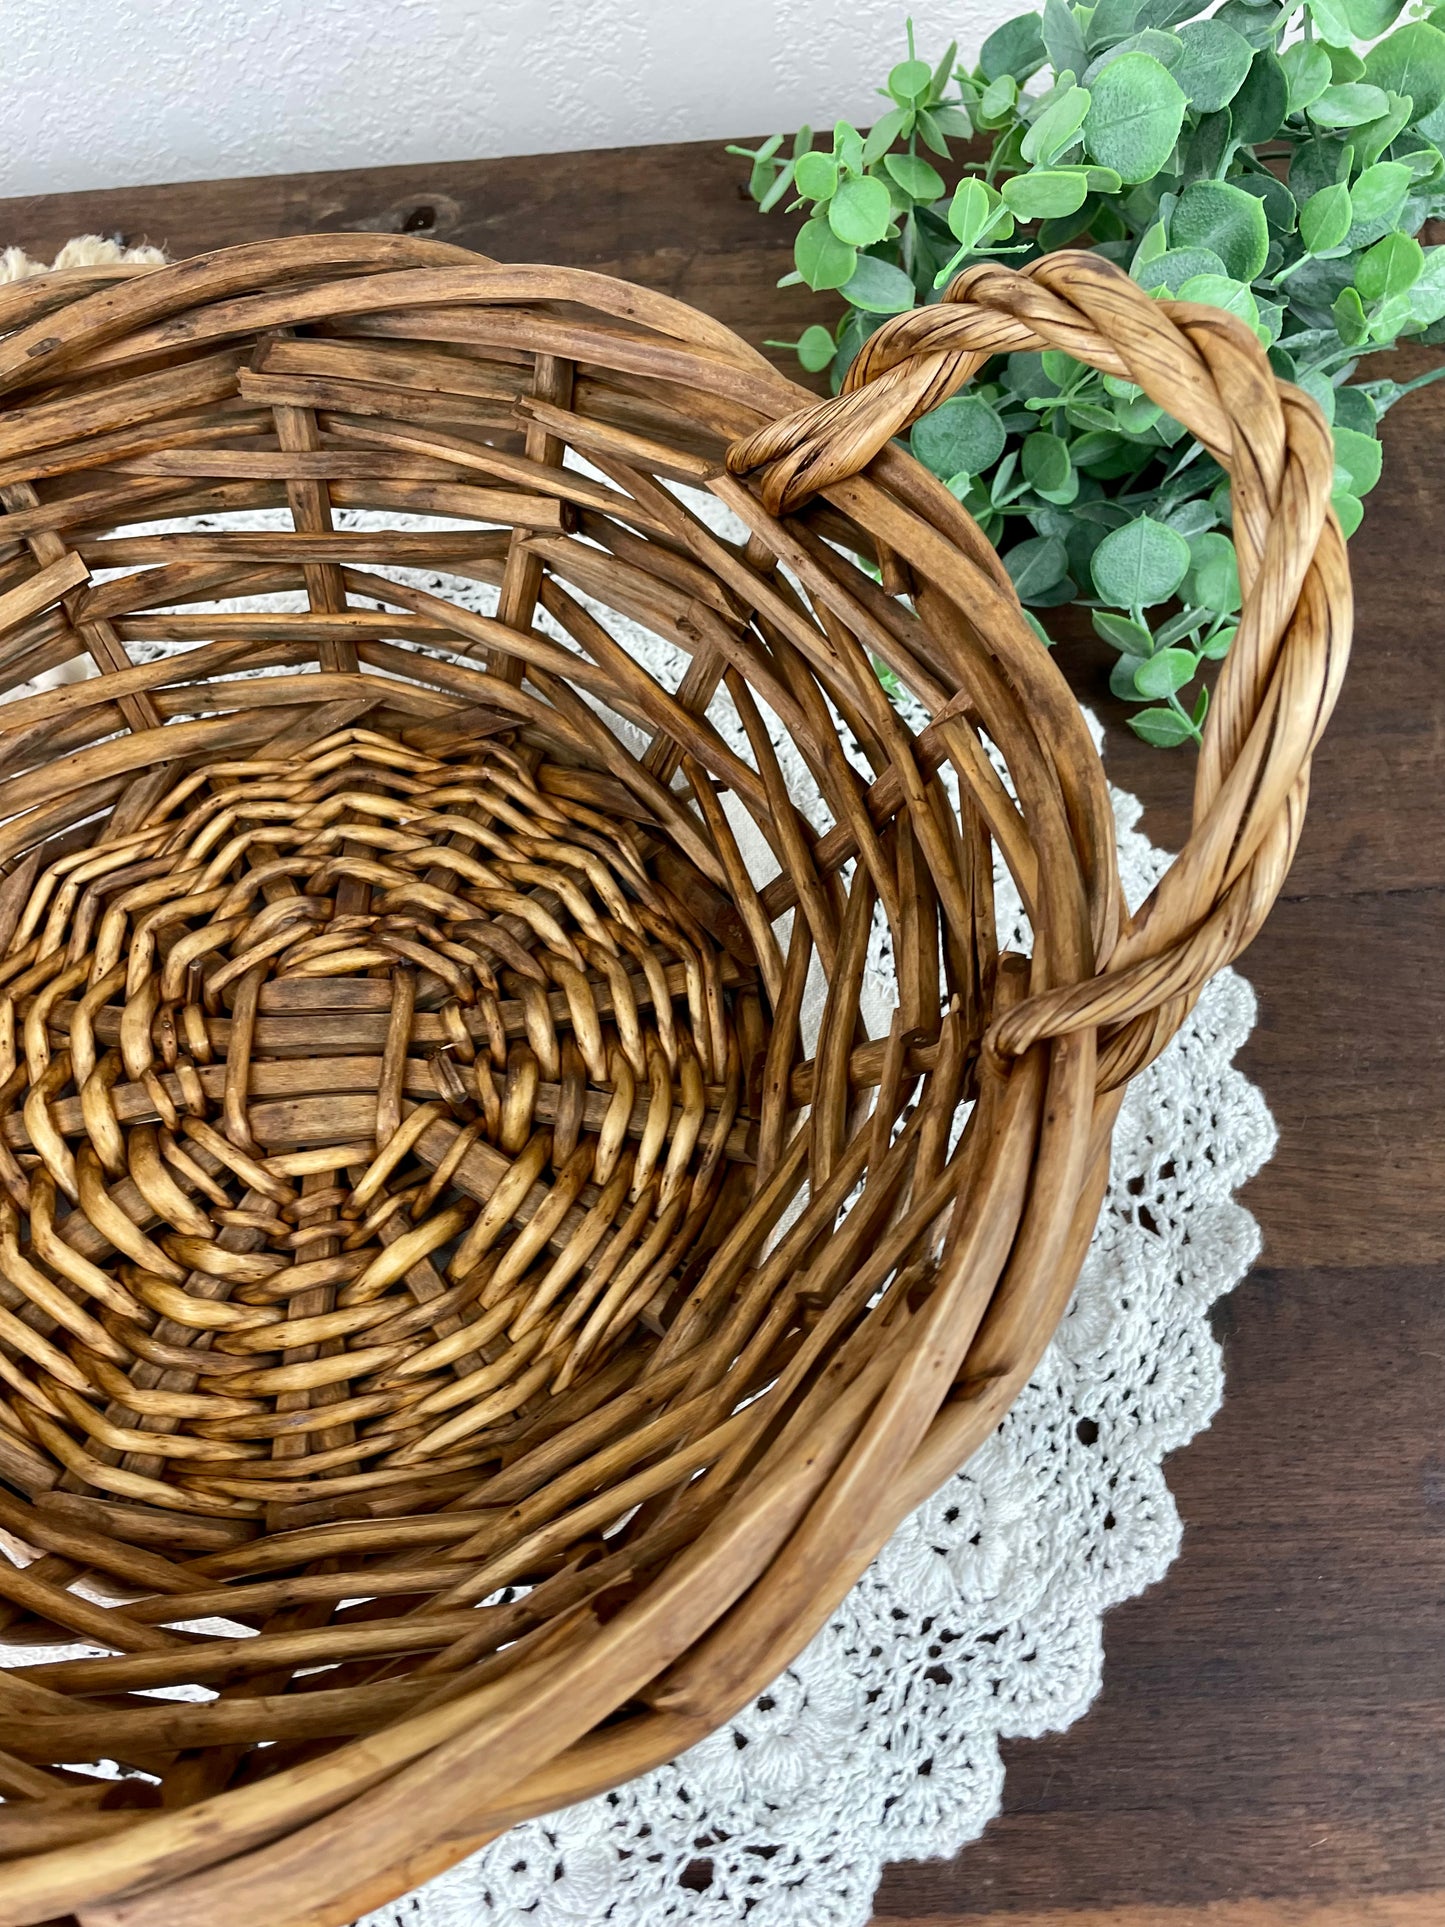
(456, 1307)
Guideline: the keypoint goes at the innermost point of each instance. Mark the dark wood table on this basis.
(1269, 1748)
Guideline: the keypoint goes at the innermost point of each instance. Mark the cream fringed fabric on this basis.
(85, 251)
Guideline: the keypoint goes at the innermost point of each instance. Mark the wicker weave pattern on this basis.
(427, 1243)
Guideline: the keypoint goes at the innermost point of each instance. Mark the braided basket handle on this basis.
(1281, 678)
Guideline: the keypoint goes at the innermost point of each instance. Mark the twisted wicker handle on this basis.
(1282, 676)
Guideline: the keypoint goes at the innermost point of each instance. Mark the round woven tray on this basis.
(454, 1312)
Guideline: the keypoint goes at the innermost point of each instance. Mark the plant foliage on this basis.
(1265, 158)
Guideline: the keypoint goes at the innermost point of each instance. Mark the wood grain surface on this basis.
(1267, 1750)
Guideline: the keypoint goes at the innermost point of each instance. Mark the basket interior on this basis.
(450, 1158)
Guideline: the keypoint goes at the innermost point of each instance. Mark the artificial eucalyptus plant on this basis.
(1266, 158)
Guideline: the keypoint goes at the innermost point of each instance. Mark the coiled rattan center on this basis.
(419, 1085)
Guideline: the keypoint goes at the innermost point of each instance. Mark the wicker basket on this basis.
(428, 1245)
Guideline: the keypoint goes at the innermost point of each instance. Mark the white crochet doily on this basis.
(981, 1619)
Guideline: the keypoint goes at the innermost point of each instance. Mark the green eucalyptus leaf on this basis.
(1350, 510)
(1017, 48)
(1038, 568)
(1424, 160)
(1130, 638)
(1161, 674)
(1331, 22)
(1318, 386)
(1163, 728)
(852, 334)
(1137, 415)
(1315, 164)
(918, 178)
(1121, 679)
(1164, 47)
(1046, 464)
(1057, 128)
(1216, 647)
(1064, 495)
(1217, 215)
(1212, 64)
(943, 72)
(1427, 297)
(764, 169)
(1045, 194)
(948, 118)
(1350, 318)
(997, 102)
(1325, 218)
(1135, 114)
(1095, 446)
(1089, 414)
(1271, 319)
(1260, 25)
(1140, 564)
(1389, 269)
(1213, 580)
(1280, 209)
(816, 348)
(883, 133)
(1262, 102)
(878, 287)
(1307, 73)
(929, 122)
(1222, 291)
(1376, 200)
(815, 176)
(1110, 21)
(860, 212)
(1191, 518)
(1061, 369)
(1375, 137)
(1098, 180)
(1028, 377)
(910, 82)
(1411, 61)
(1175, 266)
(848, 147)
(1063, 38)
(1370, 18)
(1357, 460)
(970, 211)
(1205, 150)
(1181, 628)
(778, 189)
(1349, 103)
(823, 260)
(1155, 242)
(1354, 409)
(963, 434)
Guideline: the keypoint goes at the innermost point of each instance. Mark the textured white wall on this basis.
(112, 93)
